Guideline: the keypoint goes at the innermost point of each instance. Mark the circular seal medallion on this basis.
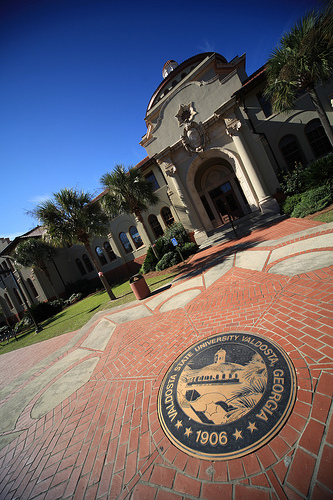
(226, 396)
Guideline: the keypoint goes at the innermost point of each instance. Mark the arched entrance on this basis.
(220, 192)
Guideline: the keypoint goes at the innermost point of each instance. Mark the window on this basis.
(155, 225)
(152, 179)
(167, 216)
(32, 287)
(265, 104)
(317, 138)
(17, 296)
(87, 263)
(125, 242)
(135, 237)
(10, 305)
(101, 256)
(80, 267)
(291, 151)
(109, 251)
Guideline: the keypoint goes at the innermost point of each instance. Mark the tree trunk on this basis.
(99, 271)
(322, 114)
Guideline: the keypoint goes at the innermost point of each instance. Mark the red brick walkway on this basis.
(106, 441)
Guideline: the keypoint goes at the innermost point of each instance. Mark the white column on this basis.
(171, 171)
(266, 203)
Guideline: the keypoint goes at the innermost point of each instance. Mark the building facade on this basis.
(214, 151)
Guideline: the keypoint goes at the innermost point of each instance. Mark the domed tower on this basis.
(168, 67)
(220, 356)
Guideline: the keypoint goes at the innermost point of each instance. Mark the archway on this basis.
(219, 189)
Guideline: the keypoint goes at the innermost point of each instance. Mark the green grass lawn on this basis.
(74, 317)
(326, 217)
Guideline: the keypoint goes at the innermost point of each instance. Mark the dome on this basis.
(168, 67)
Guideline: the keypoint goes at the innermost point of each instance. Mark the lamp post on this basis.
(38, 328)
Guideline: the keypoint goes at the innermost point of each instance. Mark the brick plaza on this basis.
(105, 441)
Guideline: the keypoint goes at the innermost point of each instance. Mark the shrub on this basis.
(293, 182)
(176, 231)
(25, 323)
(5, 333)
(319, 172)
(149, 263)
(169, 259)
(163, 246)
(80, 286)
(75, 297)
(188, 249)
(290, 203)
(57, 304)
(312, 201)
(42, 311)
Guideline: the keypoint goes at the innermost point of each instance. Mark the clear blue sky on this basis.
(76, 77)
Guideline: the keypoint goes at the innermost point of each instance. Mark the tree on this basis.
(128, 192)
(34, 252)
(72, 217)
(302, 59)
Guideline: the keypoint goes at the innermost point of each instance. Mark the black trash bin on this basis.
(139, 286)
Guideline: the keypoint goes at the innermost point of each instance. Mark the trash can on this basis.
(139, 286)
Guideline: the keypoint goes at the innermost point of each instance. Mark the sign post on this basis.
(175, 244)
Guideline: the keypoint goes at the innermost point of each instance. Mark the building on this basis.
(213, 152)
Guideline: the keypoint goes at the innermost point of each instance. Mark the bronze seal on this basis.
(226, 396)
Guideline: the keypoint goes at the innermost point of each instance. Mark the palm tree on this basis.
(34, 252)
(303, 58)
(71, 217)
(128, 192)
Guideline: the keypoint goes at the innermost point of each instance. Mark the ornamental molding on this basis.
(168, 98)
(232, 125)
(194, 138)
(185, 113)
(169, 167)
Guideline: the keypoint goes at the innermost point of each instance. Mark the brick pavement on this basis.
(16, 365)
(105, 440)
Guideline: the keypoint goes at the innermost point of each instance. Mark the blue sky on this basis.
(76, 77)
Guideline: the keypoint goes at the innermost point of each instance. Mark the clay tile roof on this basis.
(251, 80)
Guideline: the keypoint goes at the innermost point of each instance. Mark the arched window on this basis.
(32, 287)
(10, 305)
(135, 237)
(87, 263)
(167, 216)
(101, 256)
(291, 151)
(17, 296)
(317, 138)
(155, 225)
(80, 267)
(109, 251)
(125, 242)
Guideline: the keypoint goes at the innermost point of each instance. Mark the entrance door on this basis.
(226, 202)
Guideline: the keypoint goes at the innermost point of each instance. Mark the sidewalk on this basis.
(79, 420)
